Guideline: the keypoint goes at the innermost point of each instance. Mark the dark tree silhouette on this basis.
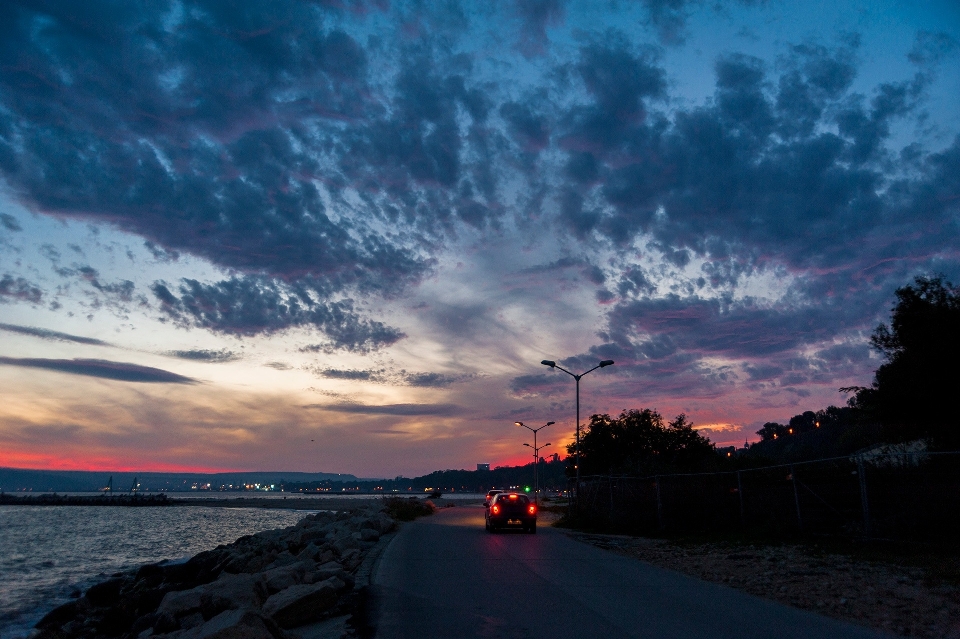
(638, 442)
(771, 431)
(914, 392)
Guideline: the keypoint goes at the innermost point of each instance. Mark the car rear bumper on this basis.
(503, 521)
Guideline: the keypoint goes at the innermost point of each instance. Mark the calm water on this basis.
(47, 552)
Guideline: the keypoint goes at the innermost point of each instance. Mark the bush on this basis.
(408, 509)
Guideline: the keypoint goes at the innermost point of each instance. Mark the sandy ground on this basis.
(908, 600)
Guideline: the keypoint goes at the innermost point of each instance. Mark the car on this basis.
(489, 498)
(511, 510)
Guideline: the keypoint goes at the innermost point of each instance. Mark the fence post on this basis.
(863, 497)
(610, 490)
(659, 506)
(796, 496)
(740, 493)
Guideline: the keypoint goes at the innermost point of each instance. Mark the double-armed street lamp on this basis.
(536, 453)
(552, 364)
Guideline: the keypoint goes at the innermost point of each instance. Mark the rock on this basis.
(369, 534)
(232, 592)
(327, 570)
(179, 603)
(151, 574)
(236, 624)
(105, 593)
(229, 592)
(281, 578)
(301, 604)
(343, 544)
(59, 616)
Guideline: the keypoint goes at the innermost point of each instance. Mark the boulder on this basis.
(106, 593)
(369, 534)
(180, 602)
(301, 604)
(325, 571)
(229, 592)
(283, 577)
(343, 544)
(236, 624)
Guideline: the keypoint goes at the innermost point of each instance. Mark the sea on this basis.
(49, 554)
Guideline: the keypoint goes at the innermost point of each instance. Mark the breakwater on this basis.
(284, 583)
(54, 499)
(294, 502)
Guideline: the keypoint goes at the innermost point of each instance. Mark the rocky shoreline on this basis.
(300, 582)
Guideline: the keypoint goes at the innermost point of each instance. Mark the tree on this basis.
(638, 442)
(913, 392)
(771, 431)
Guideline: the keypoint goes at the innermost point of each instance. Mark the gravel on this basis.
(891, 596)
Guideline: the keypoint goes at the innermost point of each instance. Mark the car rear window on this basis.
(520, 499)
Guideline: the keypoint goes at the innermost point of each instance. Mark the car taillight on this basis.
(495, 509)
(532, 509)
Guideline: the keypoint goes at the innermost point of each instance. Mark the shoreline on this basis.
(288, 583)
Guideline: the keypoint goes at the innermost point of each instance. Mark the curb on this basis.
(365, 571)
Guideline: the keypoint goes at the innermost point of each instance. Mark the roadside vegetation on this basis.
(408, 508)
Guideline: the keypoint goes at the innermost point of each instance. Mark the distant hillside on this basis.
(552, 476)
(18, 479)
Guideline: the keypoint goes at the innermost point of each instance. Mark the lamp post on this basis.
(536, 450)
(552, 364)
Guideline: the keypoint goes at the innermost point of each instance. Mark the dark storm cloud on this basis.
(120, 371)
(19, 289)
(201, 355)
(400, 410)
(43, 333)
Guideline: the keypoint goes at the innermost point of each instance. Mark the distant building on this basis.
(483, 466)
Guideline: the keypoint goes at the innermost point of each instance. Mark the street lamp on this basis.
(552, 364)
(536, 451)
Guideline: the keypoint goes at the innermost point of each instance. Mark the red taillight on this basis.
(532, 509)
(495, 509)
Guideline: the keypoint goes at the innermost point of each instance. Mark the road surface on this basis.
(445, 577)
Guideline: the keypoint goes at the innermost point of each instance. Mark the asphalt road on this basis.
(444, 576)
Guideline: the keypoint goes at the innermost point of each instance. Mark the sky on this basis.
(340, 236)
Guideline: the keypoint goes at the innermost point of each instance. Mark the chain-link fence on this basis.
(912, 496)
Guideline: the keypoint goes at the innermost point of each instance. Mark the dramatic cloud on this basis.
(19, 289)
(406, 410)
(207, 355)
(43, 333)
(120, 371)
(418, 202)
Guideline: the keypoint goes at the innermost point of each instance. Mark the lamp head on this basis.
(551, 423)
(527, 445)
(545, 445)
(518, 423)
(606, 362)
(549, 363)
